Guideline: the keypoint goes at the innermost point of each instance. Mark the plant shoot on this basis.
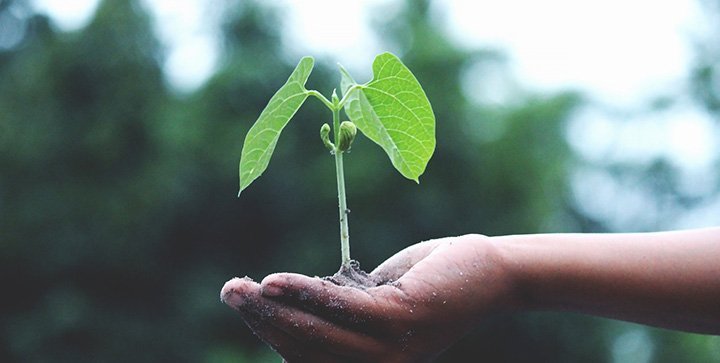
(391, 109)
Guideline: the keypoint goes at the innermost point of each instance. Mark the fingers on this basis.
(234, 291)
(293, 332)
(235, 294)
(346, 306)
(291, 349)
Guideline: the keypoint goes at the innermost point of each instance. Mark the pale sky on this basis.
(617, 50)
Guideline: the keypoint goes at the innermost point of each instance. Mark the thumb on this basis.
(399, 264)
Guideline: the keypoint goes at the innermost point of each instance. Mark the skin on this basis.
(436, 291)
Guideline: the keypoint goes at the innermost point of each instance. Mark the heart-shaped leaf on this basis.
(262, 138)
(393, 111)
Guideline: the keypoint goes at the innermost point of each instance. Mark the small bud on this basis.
(325, 136)
(335, 99)
(348, 130)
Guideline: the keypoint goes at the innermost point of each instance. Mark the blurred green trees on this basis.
(118, 217)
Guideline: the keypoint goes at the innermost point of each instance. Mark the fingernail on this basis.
(232, 298)
(229, 293)
(271, 290)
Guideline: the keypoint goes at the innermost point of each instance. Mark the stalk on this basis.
(342, 202)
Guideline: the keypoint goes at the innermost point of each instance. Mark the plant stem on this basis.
(320, 97)
(342, 203)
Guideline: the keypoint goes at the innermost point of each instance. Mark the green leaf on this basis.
(393, 111)
(263, 135)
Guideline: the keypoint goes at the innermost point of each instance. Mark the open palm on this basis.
(429, 295)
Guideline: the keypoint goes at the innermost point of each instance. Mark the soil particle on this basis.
(352, 276)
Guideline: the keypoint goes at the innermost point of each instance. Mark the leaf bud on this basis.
(335, 99)
(346, 136)
(325, 136)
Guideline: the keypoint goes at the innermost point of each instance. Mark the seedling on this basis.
(391, 109)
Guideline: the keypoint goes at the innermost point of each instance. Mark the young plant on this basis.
(391, 109)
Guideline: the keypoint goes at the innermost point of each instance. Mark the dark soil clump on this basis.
(352, 276)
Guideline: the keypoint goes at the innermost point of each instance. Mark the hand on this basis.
(429, 296)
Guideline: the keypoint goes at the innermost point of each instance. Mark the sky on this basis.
(622, 54)
(553, 44)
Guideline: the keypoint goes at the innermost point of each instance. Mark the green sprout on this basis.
(392, 110)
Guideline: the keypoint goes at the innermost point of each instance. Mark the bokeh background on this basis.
(121, 130)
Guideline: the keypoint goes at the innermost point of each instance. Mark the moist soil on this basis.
(352, 276)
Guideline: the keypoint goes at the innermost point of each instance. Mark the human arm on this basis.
(442, 288)
(665, 279)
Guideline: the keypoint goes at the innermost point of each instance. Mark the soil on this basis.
(352, 276)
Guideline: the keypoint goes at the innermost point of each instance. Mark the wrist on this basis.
(497, 270)
(515, 260)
